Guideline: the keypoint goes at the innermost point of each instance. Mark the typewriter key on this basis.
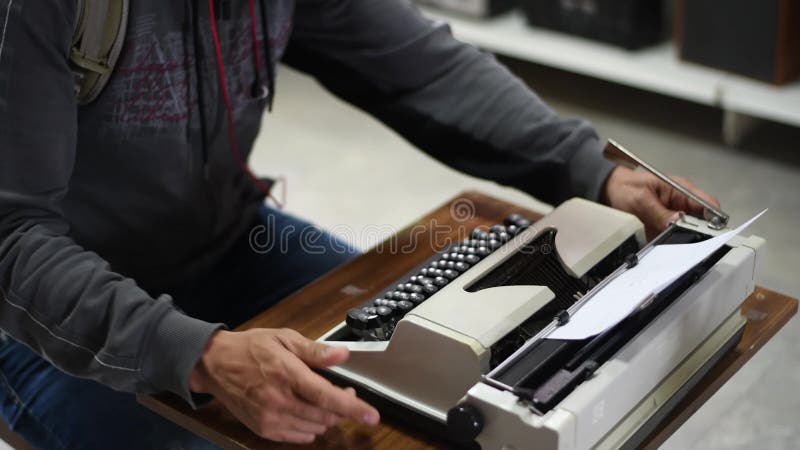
(472, 259)
(450, 265)
(498, 229)
(494, 244)
(483, 251)
(523, 223)
(357, 319)
(416, 297)
(452, 274)
(492, 237)
(512, 230)
(390, 303)
(409, 287)
(469, 250)
(404, 306)
(503, 237)
(479, 234)
(512, 219)
(383, 312)
(446, 256)
(422, 280)
(430, 288)
(400, 296)
(461, 267)
(440, 281)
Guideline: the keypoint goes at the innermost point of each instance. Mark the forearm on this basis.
(448, 98)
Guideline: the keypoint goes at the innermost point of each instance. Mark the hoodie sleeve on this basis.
(453, 101)
(55, 297)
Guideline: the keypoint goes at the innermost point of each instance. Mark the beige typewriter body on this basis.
(438, 352)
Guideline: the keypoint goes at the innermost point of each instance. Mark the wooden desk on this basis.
(348, 286)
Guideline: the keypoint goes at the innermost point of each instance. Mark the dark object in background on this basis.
(631, 24)
(755, 38)
(473, 8)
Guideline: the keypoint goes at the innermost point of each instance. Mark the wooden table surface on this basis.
(360, 279)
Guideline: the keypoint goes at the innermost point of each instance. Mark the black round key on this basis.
(461, 266)
(469, 250)
(368, 309)
(523, 223)
(416, 297)
(503, 237)
(435, 265)
(400, 295)
(400, 287)
(430, 288)
(440, 281)
(452, 274)
(498, 229)
(424, 272)
(460, 257)
(474, 242)
(482, 243)
(446, 256)
(492, 237)
(512, 219)
(379, 302)
(512, 230)
(483, 251)
(408, 287)
(450, 265)
(494, 244)
(389, 295)
(438, 272)
(472, 259)
(479, 234)
(391, 304)
(404, 306)
(383, 312)
(357, 319)
(422, 280)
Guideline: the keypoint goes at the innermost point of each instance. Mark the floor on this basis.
(349, 173)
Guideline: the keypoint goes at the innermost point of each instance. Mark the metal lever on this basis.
(716, 219)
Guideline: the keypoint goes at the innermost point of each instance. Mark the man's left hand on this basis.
(653, 201)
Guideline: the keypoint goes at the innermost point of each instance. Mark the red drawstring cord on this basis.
(254, 35)
(227, 102)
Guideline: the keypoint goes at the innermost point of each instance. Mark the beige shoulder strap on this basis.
(96, 44)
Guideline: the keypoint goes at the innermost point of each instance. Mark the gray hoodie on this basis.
(106, 207)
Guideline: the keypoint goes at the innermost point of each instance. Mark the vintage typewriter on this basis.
(459, 345)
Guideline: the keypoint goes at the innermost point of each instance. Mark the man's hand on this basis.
(263, 377)
(654, 202)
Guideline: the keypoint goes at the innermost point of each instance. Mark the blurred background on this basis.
(718, 104)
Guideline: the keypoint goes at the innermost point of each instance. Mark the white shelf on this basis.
(655, 69)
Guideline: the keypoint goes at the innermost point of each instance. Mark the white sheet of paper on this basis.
(656, 270)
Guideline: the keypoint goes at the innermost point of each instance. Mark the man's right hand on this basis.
(264, 377)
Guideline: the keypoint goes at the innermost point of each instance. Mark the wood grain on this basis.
(321, 305)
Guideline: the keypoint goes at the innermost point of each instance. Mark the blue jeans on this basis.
(53, 410)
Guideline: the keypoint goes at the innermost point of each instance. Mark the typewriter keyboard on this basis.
(375, 321)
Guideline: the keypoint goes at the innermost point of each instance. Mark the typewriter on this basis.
(459, 345)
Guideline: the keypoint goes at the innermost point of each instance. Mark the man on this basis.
(123, 224)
